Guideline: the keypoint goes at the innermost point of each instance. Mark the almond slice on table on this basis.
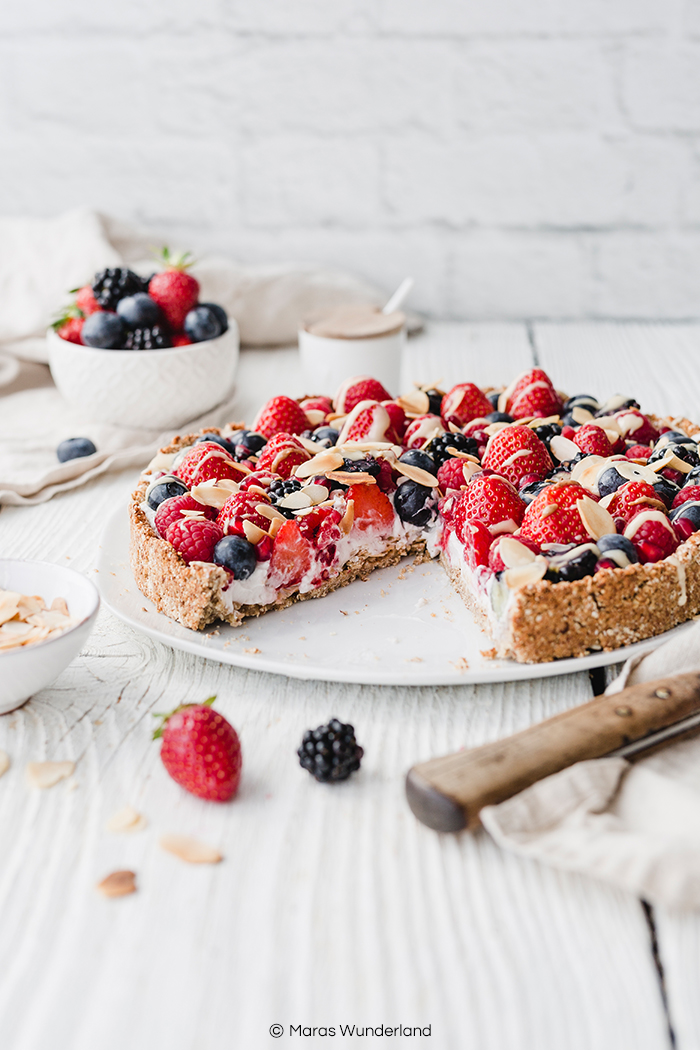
(126, 819)
(47, 774)
(597, 521)
(423, 477)
(524, 575)
(118, 884)
(189, 849)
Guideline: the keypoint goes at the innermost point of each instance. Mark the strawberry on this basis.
(422, 430)
(451, 474)
(636, 427)
(172, 510)
(533, 394)
(653, 539)
(633, 497)
(205, 461)
(181, 340)
(463, 403)
(690, 492)
(194, 539)
(516, 451)
(280, 415)
(592, 440)
(291, 556)
(238, 508)
(373, 510)
(397, 417)
(258, 478)
(493, 500)
(477, 541)
(553, 516)
(368, 421)
(496, 561)
(316, 409)
(70, 329)
(175, 290)
(85, 300)
(639, 452)
(201, 751)
(359, 388)
(282, 455)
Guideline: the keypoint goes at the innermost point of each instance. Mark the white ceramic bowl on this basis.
(327, 362)
(145, 388)
(26, 670)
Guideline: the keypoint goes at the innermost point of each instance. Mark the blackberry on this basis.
(547, 431)
(112, 285)
(155, 338)
(367, 465)
(435, 401)
(439, 445)
(279, 489)
(330, 753)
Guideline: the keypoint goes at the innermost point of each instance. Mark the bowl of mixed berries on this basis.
(143, 351)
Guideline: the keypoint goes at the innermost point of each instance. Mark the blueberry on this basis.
(574, 565)
(493, 398)
(547, 431)
(435, 401)
(567, 420)
(499, 417)
(219, 313)
(202, 324)
(686, 518)
(677, 437)
(327, 436)
(667, 490)
(138, 311)
(586, 401)
(75, 448)
(217, 439)
(618, 549)
(528, 492)
(237, 555)
(415, 503)
(692, 477)
(164, 488)
(415, 458)
(252, 441)
(104, 330)
(688, 453)
(610, 481)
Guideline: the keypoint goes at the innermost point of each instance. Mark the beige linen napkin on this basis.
(635, 826)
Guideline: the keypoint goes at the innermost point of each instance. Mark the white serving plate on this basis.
(387, 630)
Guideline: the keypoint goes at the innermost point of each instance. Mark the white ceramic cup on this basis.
(327, 362)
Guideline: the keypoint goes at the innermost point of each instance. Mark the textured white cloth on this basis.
(635, 826)
(40, 259)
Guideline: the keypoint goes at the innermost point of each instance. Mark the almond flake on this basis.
(214, 493)
(348, 477)
(320, 464)
(469, 469)
(266, 510)
(539, 421)
(549, 510)
(275, 526)
(4, 762)
(495, 428)
(597, 521)
(581, 414)
(126, 819)
(9, 605)
(316, 493)
(563, 448)
(118, 884)
(46, 774)
(191, 850)
(423, 477)
(525, 575)
(670, 459)
(347, 519)
(454, 429)
(29, 605)
(315, 416)
(296, 500)
(252, 533)
(310, 446)
(458, 454)
(417, 403)
(514, 553)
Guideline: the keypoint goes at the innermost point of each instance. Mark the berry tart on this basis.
(566, 525)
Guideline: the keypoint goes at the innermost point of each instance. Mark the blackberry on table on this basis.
(155, 338)
(114, 284)
(439, 445)
(331, 752)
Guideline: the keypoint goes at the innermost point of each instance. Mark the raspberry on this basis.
(690, 492)
(451, 474)
(170, 510)
(493, 500)
(553, 516)
(205, 461)
(238, 508)
(639, 452)
(516, 451)
(463, 403)
(593, 441)
(653, 539)
(282, 455)
(636, 427)
(194, 540)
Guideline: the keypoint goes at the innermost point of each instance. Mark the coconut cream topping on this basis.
(680, 570)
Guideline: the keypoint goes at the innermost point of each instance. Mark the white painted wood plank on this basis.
(678, 936)
(333, 905)
(479, 353)
(658, 364)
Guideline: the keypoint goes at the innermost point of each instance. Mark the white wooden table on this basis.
(333, 905)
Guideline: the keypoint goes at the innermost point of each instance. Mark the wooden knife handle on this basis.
(448, 793)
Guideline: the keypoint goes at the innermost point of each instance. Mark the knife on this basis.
(448, 793)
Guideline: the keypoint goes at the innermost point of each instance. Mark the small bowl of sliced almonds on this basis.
(46, 614)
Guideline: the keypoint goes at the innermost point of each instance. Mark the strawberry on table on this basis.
(553, 516)
(516, 451)
(494, 501)
(463, 403)
(280, 414)
(193, 538)
(175, 290)
(205, 461)
(201, 751)
(359, 388)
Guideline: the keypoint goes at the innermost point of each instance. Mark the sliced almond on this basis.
(348, 477)
(189, 849)
(670, 459)
(458, 454)
(4, 762)
(423, 477)
(296, 500)
(126, 819)
(495, 428)
(635, 472)
(454, 429)
(275, 526)
(214, 494)
(253, 533)
(30, 604)
(9, 605)
(551, 509)
(348, 517)
(46, 774)
(417, 403)
(539, 421)
(266, 510)
(316, 493)
(563, 448)
(514, 553)
(118, 884)
(320, 464)
(525, 575)
(315, 416)
(597, 521)
(581, 414)
(193, 515)
(368, 446)
(586, 465)
(609, 423)
(310, 446)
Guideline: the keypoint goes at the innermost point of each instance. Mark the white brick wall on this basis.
(521, 158)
